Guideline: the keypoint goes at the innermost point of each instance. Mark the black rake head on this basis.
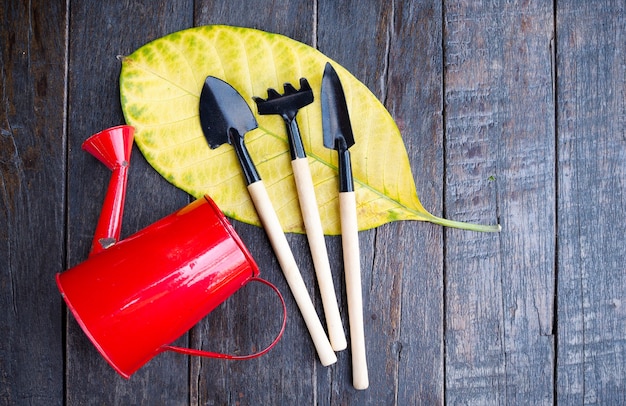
(287, 103)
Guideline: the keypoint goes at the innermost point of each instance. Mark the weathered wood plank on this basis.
(591, 55)
(291, 373)
(32, 199)
(495, 151)
(414, 96)
(361, 46)
(402, 276)
(403, 329)
(500, 143)
(99, 32)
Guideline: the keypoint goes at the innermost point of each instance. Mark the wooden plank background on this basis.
(511, 111)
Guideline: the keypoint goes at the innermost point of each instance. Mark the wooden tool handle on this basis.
(352, 266)
(287, 262)
(317, 244)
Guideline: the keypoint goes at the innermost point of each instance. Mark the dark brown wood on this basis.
(532, 315)
(500, 142)
(99, 33)
(591, 152)
(32, 200)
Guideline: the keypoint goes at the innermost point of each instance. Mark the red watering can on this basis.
(136, 296)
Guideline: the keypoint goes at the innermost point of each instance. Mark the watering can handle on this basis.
(209, 354)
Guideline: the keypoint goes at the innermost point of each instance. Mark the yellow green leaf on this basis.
(160, 86)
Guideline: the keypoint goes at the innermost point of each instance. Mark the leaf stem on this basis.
(465, 226)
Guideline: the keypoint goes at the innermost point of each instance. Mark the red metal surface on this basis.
(112, 147)
(144, 292)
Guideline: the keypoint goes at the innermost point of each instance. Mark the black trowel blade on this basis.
(221, 109)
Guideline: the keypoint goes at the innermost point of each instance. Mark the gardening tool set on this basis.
(287, 107)
(136, 296)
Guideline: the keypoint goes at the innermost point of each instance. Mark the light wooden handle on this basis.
(288, 264)
(317, 244)
(352, 267)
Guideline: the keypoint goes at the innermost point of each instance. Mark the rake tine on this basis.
(272, 94)
(304, 85)
(289, 89)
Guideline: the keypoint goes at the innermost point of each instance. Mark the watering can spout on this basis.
(112, 147)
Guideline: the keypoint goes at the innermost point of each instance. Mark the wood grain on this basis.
(512, 111)
(500, 141)
(591, 182)
(336, 22)
(414, 96)
(256, 382)
(32, 200)
(99, 33)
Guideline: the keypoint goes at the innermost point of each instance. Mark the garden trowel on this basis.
(338, 135)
